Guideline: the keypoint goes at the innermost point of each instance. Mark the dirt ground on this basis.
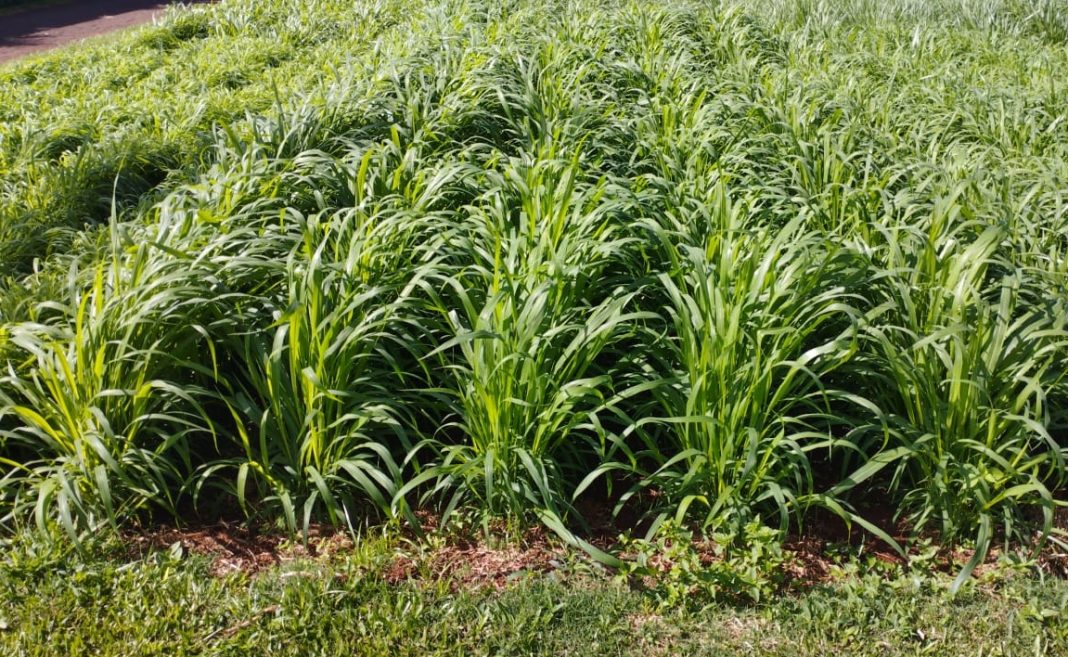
(43, 28)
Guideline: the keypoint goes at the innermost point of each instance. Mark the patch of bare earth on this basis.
(237, 548)
(473, 560)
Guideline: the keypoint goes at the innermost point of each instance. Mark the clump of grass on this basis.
(102, 418)
(756, 319)
(968, 358)
(528, 325)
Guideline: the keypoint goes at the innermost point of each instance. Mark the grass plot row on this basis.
(714, 262)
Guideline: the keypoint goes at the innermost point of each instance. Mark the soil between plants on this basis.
(470, 561)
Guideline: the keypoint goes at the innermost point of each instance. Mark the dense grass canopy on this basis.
(714, 261)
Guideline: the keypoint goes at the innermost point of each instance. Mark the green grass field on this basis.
(715, 268)
(174, 603)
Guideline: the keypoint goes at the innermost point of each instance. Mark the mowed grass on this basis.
(706, 264)
(171, 603)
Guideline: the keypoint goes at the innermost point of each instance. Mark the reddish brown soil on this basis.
(43, 28)
(470, 562)
(465, 560)
(233, 547)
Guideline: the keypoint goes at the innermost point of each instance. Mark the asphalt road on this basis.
(48, 27)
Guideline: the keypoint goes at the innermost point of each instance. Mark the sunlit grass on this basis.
(748, 258)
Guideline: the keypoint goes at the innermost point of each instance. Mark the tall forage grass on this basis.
(722, 261)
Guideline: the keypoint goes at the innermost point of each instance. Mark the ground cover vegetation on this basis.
(348, 600)
(709, 265)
